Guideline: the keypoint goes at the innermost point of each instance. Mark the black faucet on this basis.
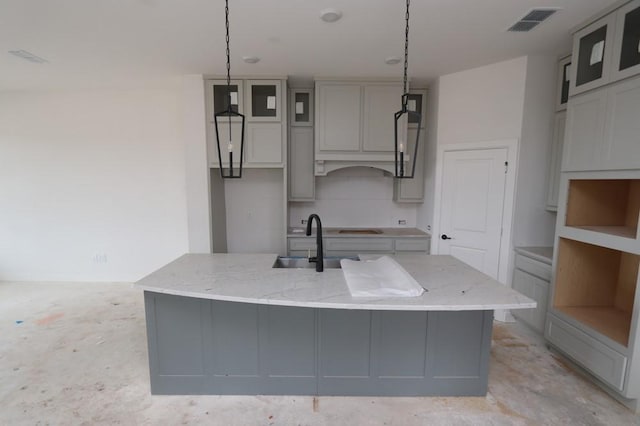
(319, 258)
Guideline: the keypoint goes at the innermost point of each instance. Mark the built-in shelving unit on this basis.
(596, 286)
(606, 206)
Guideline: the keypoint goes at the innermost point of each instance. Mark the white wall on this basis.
(533, 224)
(354, 197)
(507, 100)
(194, 123)
(255, 212)
(86, 173)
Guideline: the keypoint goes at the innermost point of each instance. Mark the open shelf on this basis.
(596, 286)
(605, 206)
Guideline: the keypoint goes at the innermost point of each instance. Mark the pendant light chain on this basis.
(226, 12)
(406, 52)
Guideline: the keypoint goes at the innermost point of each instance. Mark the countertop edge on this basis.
(336, 305)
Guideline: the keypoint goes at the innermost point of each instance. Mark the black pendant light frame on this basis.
(229, 113)
(404, 111)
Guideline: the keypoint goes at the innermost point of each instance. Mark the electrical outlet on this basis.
(100, 258)
(402, 222)
(303, 221)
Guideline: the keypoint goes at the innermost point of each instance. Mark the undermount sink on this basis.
(294, 262)
(360, 231)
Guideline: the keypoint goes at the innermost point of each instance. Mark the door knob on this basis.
(445, 237)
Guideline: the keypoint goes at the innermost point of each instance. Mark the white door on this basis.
(473, 192)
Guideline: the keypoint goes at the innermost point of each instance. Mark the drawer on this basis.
(302, 243)
(602, 361)
(536, 289)
(412, 244)
(359, 245)
(533, 267)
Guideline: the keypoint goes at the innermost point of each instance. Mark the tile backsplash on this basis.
(354, 197)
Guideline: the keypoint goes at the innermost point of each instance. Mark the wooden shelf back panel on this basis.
(613, 323)
(586, 275)
(598, 202)
(627, 282)
(633, 208)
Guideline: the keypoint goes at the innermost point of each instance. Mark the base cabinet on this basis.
(531, 278)
(201, 346)
(303, 246)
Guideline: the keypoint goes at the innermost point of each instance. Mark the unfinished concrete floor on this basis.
(79, 356)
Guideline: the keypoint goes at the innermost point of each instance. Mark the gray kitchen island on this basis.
(232, 324)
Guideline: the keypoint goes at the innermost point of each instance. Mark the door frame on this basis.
(511, 146)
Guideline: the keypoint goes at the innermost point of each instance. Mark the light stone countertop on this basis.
(384, 232)
(451, 285)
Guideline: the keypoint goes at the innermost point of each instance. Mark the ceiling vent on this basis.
(532, 19)
(28, 56)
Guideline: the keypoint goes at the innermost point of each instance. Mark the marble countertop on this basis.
(451, 285)
(384, 232)
(542, 254)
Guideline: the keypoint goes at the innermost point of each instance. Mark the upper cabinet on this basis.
(354, 124)
(592, 52)
(262, 104)
(607, 50)
(301, 108)
(263, 100)
(627, 41)
(564, 81)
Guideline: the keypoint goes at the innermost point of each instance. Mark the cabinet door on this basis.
(380, 104)
(212, 146)
(218, 97)
(622, 130)
(338, 117)
(556, 159)
(301, 176)
(301, 107)
(264, 144)
(263, 100)
(592, 53)
(536, 289)
(585, 131)
(564, 81)
(626, 59)
(412, 190)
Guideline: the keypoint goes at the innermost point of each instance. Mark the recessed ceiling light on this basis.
(28, 56)
(392, 60)
(330, 15)
(251, 59)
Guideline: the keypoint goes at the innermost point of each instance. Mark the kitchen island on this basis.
(232, 324)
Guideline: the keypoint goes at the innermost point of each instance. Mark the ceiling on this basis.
(113, 43)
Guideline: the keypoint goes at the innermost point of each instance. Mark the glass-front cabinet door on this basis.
(301, 107)
(592, 51)
(564, 79)
(263, 100)
(221, 96)
(626, 60)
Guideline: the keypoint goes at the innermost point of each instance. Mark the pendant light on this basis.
(401, 118)
(219, 118)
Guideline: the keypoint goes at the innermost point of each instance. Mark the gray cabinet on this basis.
(354, 124)
(531, 278)
(341, 246)
(301, 148)
(557, 143)
(626, 60)
(602, 128)
(264, 136)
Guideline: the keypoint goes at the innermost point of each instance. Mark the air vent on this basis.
(532, 19)
(28, 56)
